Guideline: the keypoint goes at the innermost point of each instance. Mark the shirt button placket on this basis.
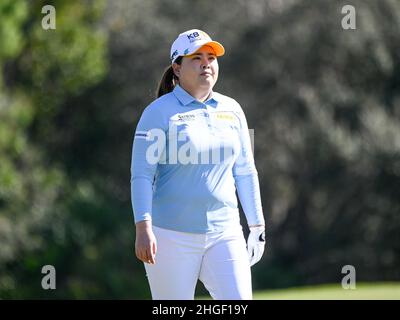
(208, 119)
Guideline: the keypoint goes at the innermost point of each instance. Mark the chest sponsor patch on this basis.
(186, 117)
(183, 117)
(224, 115)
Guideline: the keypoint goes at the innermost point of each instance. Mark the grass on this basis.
(363, 291)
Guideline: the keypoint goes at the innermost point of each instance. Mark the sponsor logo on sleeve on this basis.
(142, 135)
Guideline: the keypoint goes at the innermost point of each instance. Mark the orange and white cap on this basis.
(190, 41)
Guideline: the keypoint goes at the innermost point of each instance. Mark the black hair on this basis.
(169, 80)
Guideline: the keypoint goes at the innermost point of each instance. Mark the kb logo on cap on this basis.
(192, 37)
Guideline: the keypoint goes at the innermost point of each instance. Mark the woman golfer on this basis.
(191, 152)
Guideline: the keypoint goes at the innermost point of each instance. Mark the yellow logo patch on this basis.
(224, 116)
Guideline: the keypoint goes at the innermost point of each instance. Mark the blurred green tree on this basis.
(39, 70)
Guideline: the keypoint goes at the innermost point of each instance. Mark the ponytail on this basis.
(168, 81)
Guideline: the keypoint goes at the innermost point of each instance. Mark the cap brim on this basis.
(215, 45)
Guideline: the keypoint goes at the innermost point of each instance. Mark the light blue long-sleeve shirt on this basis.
(187, 159)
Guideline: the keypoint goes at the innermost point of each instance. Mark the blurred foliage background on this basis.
(324, 103)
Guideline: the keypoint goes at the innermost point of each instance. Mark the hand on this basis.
(146, 244)
(256, 244)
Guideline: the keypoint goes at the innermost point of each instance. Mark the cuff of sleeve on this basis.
(143, 217)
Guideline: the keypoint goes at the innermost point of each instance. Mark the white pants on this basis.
(219, 260)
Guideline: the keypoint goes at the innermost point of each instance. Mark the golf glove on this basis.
(256, 244)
